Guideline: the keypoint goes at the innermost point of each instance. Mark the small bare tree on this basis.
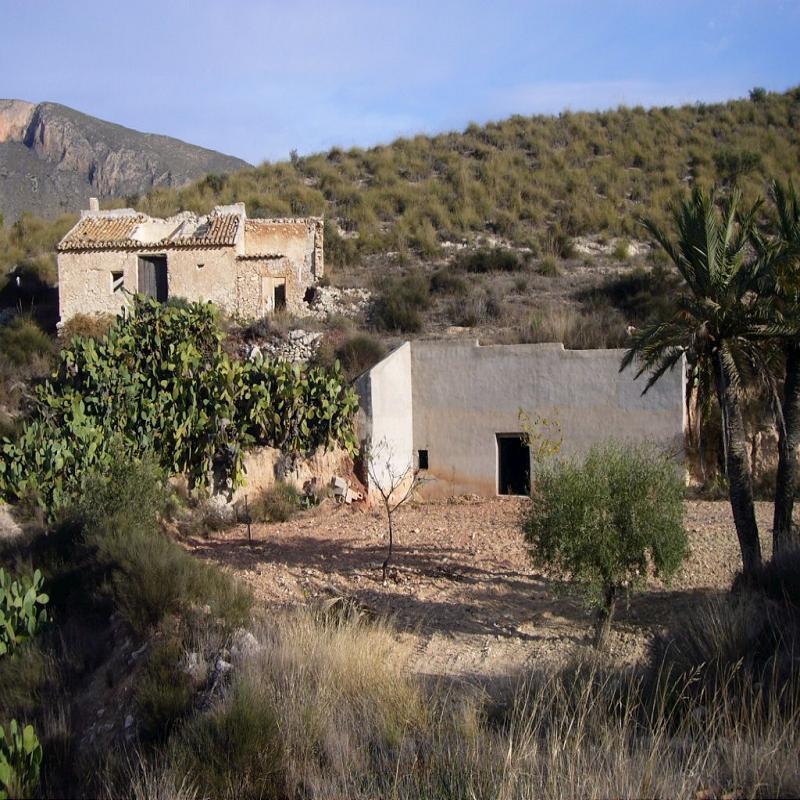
(394, 483)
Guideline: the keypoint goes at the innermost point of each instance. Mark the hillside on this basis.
(53, 157)
(530, 181)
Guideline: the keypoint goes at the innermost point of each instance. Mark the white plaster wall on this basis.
(386, 419)
(463, 395)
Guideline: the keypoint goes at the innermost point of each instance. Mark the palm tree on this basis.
(778, 245)
(717, 327)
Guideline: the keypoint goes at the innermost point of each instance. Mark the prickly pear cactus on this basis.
(22, 609)
(20, 761)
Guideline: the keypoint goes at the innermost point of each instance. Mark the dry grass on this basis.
(325, 709)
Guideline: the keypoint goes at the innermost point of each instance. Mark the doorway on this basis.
(513, 464)
(153, 277)
(279, 295)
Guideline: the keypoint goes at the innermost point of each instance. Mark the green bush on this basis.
(90, 326)
(548, 266)
(358, 353)
(279, 503)
(20, 761)
(446, 281)
(399, 302)
(605, 521)
(22, 339)
(496, 259)
(22, 609)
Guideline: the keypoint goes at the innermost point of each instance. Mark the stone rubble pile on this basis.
(331, 301)
(589, 246)
(298, 345)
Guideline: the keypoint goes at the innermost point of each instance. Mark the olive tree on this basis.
(604, 521)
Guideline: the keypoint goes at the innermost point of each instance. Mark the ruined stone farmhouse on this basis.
(452, 411)
(248, 267)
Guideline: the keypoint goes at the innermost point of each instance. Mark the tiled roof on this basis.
(97, 233)
(115, 233)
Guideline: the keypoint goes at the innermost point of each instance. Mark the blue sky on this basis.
(257, 79)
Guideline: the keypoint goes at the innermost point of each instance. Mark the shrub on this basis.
(279, 503)
(642, 295)
(399, 301)
(478, 309)
(604, 521)
(742, 646)
(91, 326)
(146, 574)
(22, 339)
(622, 250)
(323, 705)
(497, 259)
(358, 353)
(577, 330)
(446, 281)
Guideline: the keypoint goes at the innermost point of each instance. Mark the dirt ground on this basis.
(463, 592)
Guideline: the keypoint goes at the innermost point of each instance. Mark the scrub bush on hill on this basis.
(160, 384)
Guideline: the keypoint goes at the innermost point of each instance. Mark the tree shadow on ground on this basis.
(436, 589)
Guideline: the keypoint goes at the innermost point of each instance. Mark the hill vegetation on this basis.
(532, 181)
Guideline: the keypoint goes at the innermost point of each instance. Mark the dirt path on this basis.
(463, 589)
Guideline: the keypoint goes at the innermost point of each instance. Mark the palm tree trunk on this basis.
(740, 481)
(784, 536)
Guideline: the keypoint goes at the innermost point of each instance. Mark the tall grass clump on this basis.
(320, 709)
(279, 503)
(597, 328)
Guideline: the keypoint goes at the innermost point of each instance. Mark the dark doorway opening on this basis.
(279, 296)
(153, 277)
(513, 464)
(422, 459)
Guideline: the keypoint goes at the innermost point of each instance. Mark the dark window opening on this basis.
(153, 277)
(422, 459)
(117, 281)
(513, 465)
(310, 295)
(279, 295)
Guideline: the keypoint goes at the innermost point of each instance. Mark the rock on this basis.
(222, 667)
(195, 667)
(9, 527)
(244, 645)
(128, 721)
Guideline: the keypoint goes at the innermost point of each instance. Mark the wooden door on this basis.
(153, 280)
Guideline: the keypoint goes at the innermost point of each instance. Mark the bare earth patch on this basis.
(463, 592)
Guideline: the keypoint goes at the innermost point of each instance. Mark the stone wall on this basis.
(84, 278)
(288, 251)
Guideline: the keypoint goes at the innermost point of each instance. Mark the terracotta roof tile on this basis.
(114, 233)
